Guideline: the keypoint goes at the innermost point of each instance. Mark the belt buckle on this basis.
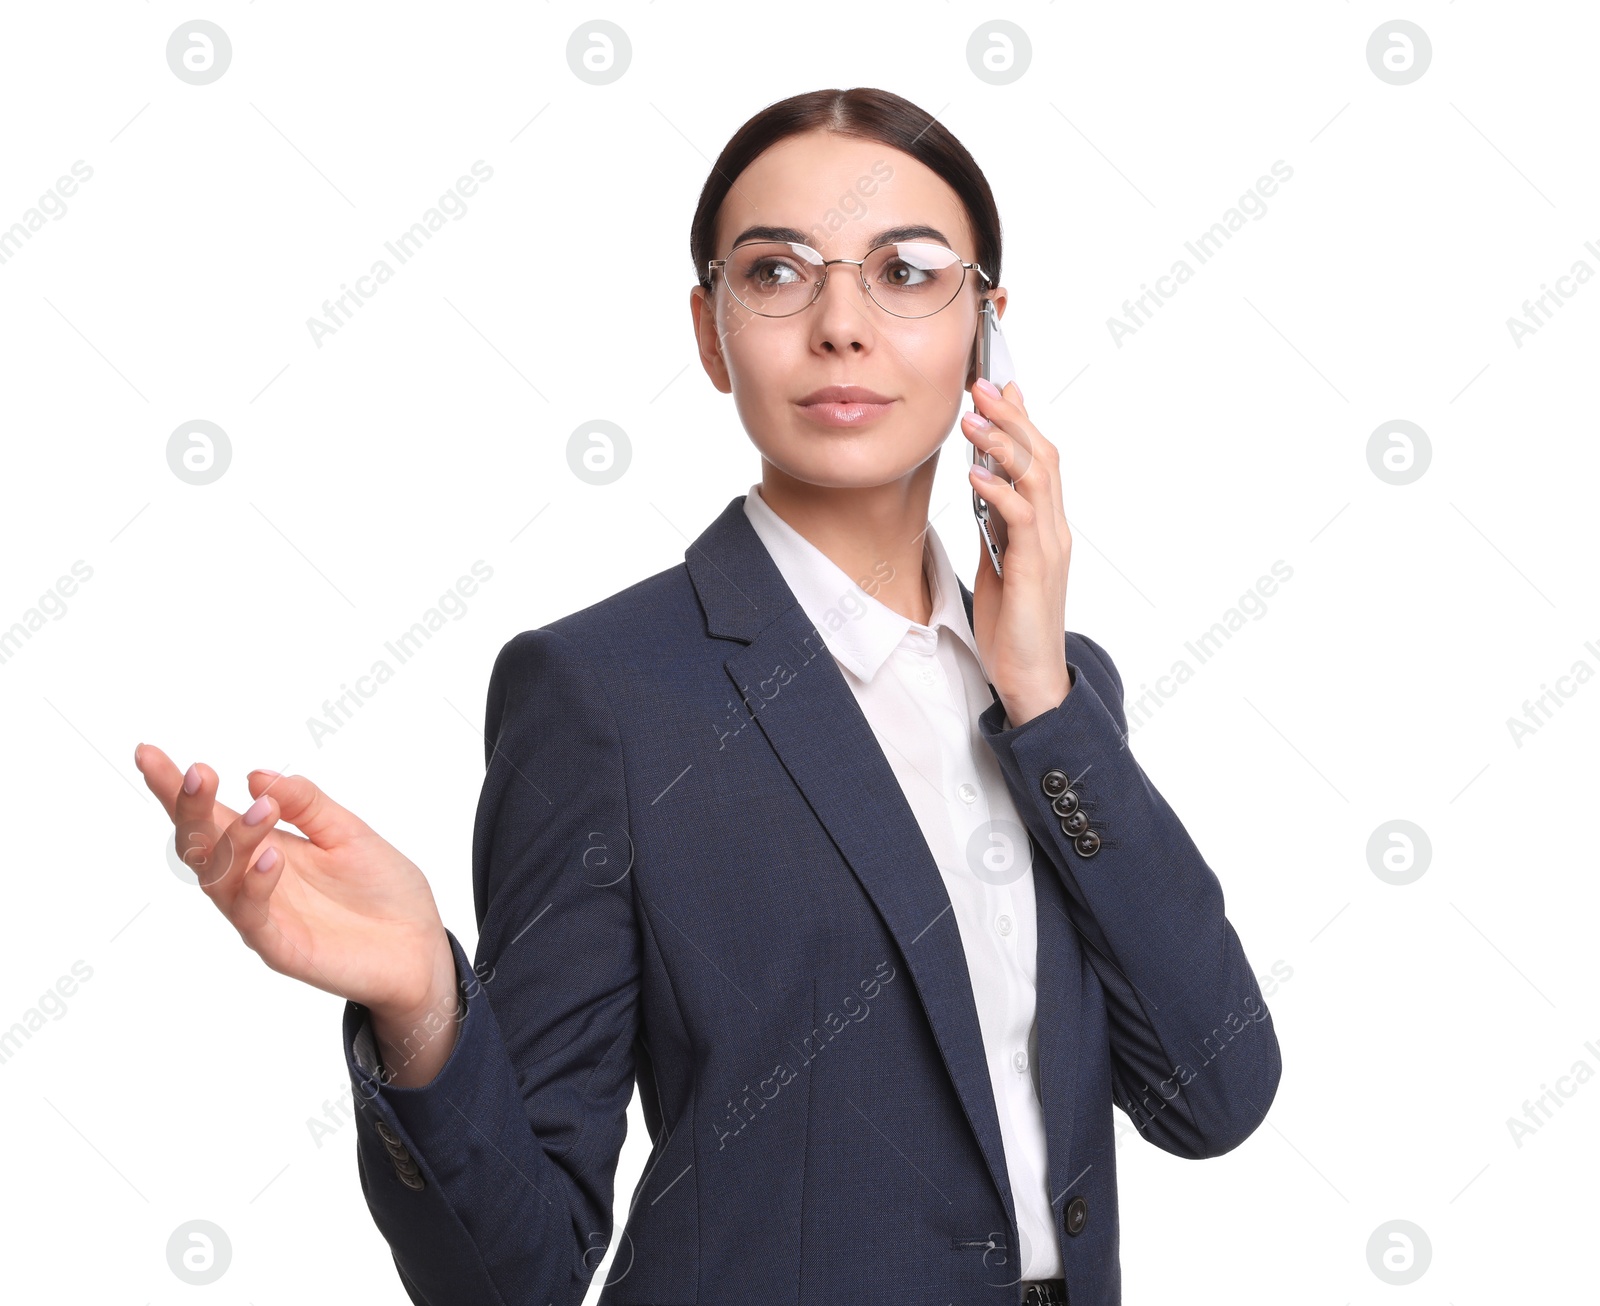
(1042, 1293)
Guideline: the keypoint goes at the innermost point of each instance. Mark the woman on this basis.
(855, 878)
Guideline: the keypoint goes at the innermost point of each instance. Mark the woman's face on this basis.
(841, 193)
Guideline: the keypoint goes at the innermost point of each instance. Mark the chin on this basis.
(856, 462)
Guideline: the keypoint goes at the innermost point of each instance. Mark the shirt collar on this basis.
(859, 630)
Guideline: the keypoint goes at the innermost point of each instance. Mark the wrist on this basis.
(401, 1029)
(1023, 710)
(412, 999)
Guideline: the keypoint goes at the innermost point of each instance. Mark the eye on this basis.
(900, 274)
(769, 272)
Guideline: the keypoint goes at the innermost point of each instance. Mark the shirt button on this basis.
(967, 794)
(1003, 925)
(1019, 1059)
(926, 675)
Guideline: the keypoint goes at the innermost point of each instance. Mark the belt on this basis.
(1044, 1292)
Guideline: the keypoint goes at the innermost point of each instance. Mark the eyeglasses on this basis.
(779, 278)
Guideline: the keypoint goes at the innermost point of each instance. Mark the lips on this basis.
(844, 405)
(844, 394)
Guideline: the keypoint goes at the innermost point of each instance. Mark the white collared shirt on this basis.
(922, 689)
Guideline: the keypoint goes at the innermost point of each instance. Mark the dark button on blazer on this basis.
(694, 870)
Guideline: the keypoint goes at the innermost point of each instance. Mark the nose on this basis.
(849, 274)
(842, 317)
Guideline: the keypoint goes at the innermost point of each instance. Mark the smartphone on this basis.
(994, 362)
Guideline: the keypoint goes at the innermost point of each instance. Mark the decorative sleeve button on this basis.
(1069, 806)
(405, 1165)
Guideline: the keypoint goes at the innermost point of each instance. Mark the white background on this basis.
(1228, 433)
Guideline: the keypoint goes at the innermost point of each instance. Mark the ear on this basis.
(998, 295)
(972, 356)
(703, 310)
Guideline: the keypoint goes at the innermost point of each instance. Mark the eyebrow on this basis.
(917, 231)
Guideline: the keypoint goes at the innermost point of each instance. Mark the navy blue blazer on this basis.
(694, 870)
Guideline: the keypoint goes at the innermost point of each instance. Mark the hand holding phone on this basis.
(994, 362)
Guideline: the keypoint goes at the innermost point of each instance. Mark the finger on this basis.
(195, 818)
(1030, 461)
(310, 810)
(1026, 448)
(982, 427)
(1005, 500)
(228, 866)
(1020, 516)
(1014, 457)
(249, 910)
(1045, 452)
(161, 777)
(262, 781)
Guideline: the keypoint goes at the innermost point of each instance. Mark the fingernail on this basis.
(258, 811)
(267, 860)
(136, 749)
(988, 387)
(1020, 399)
(976, 420)
(983, 473)
(191, 779)
(261, 770)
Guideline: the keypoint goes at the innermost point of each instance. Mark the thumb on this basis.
(307, 808)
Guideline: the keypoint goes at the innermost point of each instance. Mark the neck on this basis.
(875, 534)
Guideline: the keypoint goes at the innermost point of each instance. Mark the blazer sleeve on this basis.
(493, 1183)
(1195, 1059)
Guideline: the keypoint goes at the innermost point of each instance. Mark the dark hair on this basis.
(867, 113)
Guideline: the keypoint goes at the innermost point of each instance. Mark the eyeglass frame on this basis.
(860, 264)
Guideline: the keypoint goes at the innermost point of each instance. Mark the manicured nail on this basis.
(261, 770)
(136, 749)
(983, 473)
(988, 387)
(191, 779)
(1020, 399)
(258, 811)
(267, 860)
(976, 421)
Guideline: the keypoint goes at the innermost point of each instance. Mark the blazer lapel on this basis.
(799, 698)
